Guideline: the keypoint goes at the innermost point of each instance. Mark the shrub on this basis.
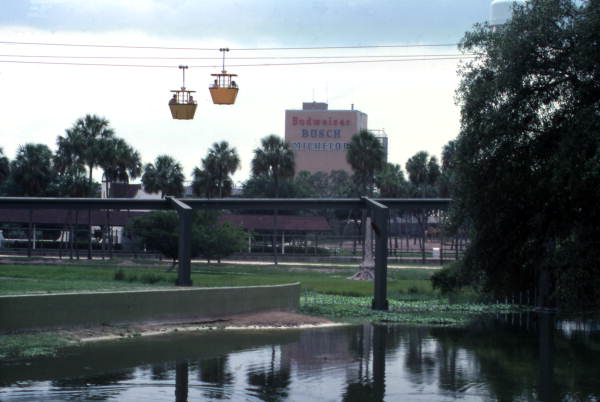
(119, 275)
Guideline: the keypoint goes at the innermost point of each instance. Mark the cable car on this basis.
(224, 89)
(182, 104)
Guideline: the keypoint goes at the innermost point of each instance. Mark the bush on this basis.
(151, 278)
(449, 279)
(119, 275)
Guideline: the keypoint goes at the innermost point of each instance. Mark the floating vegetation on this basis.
(435, 311)
(30, 345)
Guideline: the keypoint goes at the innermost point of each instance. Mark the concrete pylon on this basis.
(367, 265)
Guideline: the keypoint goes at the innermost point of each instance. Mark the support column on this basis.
(184, 272)
(90, 234)
(29, 233)
(380, 215)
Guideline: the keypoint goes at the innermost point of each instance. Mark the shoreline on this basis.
(274, 320)
(31, 344)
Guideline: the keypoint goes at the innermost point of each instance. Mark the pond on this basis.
(507, 358)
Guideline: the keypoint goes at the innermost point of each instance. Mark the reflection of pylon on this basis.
(367, 265)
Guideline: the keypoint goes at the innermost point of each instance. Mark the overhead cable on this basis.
(237, 49)
(234, 58)
(239, 65)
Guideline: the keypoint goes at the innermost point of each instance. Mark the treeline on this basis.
(91, 143)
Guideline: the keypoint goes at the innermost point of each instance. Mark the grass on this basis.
(23, 346)
(19, 279)
(326, 292)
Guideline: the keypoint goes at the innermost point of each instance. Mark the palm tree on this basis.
(274, 160)
(202, 183)
(366, 156)
(423, 173)
(220, 162)
(83, 143)
(391, 182)
(119, 161)
(32, 169)
(4, 167)
(164, 176)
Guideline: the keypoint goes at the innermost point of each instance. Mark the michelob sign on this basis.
(320, 138)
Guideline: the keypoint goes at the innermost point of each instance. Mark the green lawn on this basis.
(19, 279)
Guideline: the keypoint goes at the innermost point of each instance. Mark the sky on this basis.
(413, 101)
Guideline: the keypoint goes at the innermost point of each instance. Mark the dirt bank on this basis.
(264, 320)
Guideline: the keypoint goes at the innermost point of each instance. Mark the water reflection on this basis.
(509, 358)
(271, 381)
(216, 374)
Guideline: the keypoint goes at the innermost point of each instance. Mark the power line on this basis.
(234, 58)
(346, 62)
(239, 65)
(240, 49)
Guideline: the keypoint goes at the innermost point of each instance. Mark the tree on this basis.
(119, 161)
(32, 169)
(221, 162)
(274, 160)
(366, 156)
(165, 176)
(159, 230)
(262, 187)
(527, 160)
(391, 182)
(74, 184)
(202, 183)
(446, 179)
(83, 144)
(221, 240)
(4, 167)
(423, 173)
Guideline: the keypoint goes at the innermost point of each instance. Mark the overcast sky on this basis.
(412, 100)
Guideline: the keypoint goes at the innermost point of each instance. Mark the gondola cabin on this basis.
(224, 89)
(182, 104)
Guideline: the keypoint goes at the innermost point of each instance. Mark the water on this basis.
(521, 357)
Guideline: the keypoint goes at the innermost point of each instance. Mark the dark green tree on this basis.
(202, 183)
(83, 144)
(165, 176)
(527, 160)
(340, 184)
(366, 156)
(73, 184)
(446, 179)
(119, 161)
(220, 240)
(158, 231)
(423, 173)
(221, 162)
(32, 169)
(274, 160)
(391, 182)
(4, 167)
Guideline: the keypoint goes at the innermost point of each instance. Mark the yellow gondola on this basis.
(182, 103)
(224, 89)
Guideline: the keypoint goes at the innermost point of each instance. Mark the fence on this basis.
(108, 242)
